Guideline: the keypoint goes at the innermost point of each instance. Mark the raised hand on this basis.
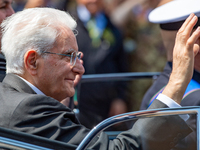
(185, 49)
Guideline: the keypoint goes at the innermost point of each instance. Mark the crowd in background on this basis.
(142, 41)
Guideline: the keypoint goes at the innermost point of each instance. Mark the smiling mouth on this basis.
(70, 80)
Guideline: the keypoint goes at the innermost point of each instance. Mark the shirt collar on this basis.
(37, 91)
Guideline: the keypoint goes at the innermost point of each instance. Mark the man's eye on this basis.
(3, 7)
(69, 54)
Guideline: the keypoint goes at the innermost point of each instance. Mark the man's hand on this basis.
(185, 49)
(118, 106)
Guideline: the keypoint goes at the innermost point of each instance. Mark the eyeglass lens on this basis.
(74, 55)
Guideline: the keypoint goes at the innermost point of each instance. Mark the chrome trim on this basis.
(137, 115)
(18, 145)
(107, 77)
(118, 76)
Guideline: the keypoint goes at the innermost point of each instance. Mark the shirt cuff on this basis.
(171, 104)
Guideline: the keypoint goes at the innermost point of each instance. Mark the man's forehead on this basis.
(68, 36)
(67, 45)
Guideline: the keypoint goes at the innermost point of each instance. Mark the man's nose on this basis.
(78, 67)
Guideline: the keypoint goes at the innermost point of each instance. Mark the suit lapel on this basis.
(18, 84)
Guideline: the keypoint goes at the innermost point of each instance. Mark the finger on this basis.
(187, 21)
(82, 55)
(191, 24)
(195, 37)
(196, 49)
(81, 61)
(186, 29)
(192, 40)
(77, 79)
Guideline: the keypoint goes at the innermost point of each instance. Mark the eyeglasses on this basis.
(72, 56)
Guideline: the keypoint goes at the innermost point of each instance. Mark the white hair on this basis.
(34, 28)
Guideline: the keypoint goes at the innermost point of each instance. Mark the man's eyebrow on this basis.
(69, 51)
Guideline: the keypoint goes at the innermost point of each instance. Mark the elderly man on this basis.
(5, 11)
(42, 63)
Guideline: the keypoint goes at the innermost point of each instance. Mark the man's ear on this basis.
(31, 61)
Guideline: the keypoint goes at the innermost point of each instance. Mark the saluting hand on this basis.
(185, 49)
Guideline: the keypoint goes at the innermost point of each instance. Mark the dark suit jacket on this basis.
(192, 99)
(23, 110)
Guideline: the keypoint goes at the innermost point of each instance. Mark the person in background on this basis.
(58, 4)
(169, 26)
(42, 63)
(6, 10)
(18, 5)
(120, 11)
(102, 45)
(132, 18)
(170, 22)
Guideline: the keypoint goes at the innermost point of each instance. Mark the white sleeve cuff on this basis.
(167, 101)
(171, 104)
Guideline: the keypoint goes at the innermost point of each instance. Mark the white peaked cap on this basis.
(174, 11)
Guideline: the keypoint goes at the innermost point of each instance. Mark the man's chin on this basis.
(71, 93)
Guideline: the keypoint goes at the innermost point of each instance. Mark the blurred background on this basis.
(142, 40)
